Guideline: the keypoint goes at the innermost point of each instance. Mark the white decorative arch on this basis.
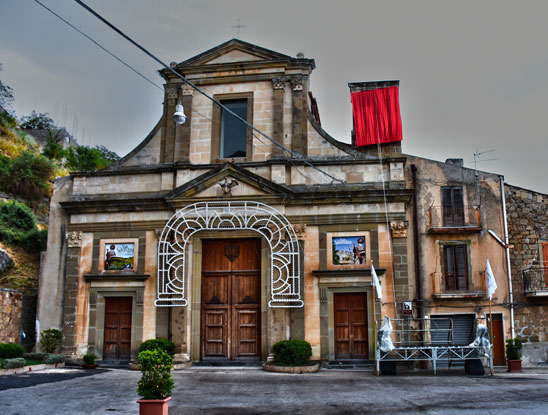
(242, 215)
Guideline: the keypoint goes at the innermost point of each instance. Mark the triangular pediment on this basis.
(234, 51)
(238, 184)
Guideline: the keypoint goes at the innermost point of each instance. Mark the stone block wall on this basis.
(528, 228)
(11, 303)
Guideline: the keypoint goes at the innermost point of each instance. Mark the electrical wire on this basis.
(192, 85)
(100, 46)
(146, 78)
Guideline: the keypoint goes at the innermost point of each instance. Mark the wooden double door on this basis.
(351, 326)
(117, 333)
(231, 299)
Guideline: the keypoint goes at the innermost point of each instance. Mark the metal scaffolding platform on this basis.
(428, 340)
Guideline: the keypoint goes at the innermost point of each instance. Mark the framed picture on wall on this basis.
(348, 250)
(118, 255)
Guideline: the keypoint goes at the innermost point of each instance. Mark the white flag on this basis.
(491, 283)
(376, 282)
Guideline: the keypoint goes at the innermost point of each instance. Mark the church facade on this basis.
(226, 241)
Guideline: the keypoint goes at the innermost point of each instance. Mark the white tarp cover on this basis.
(482, 339)
(385, 332)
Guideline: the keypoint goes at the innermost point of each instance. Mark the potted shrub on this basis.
(292, 356)
(89, 361)
(156, 382)
(513, 354)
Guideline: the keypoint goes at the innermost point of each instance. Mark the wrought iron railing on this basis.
(475, 284)
(535, 279)
(454, 217)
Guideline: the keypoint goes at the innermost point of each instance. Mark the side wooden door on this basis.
(351, 326)
(117, 333)
(231, 298)
(498, 341)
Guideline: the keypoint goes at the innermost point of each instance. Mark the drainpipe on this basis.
(507, 257)
(416, 242)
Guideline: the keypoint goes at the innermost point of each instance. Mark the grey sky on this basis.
(474, 74)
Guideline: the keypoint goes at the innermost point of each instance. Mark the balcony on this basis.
(474, 287)
(444, 219)
(535, 282)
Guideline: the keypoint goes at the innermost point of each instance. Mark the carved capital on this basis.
(297, 83)
(278, 83)
(187, 90)
(300, 230)
(74, 239)
(172, 93)
(399, 229)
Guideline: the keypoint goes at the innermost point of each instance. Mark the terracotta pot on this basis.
(514, 366)
(153, 406)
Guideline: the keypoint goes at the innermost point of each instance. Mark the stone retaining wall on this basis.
(11, 303)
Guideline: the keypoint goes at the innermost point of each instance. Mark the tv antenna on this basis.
(477, 160)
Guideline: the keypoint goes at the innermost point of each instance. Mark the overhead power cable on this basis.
(99, 45)
(192, 85)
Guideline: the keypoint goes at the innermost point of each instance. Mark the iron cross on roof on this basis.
(238, 26)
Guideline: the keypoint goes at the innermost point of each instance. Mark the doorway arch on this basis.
(285, 278)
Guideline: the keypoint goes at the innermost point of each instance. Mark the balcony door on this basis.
(452, 206)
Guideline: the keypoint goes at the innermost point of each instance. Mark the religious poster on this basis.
(119, 256)
(348, 250)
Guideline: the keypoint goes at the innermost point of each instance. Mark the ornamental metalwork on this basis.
(221, 216)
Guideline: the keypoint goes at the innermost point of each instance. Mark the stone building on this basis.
(227, 241)
(528, 234)
(213, 236)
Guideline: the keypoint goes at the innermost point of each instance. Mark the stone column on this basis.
(278, 84)
(168, 128)
(401, 278)
(300, 145)
(182, 132)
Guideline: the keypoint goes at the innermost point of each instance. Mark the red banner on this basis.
(377, 116)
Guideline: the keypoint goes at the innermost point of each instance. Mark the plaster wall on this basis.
(50, 296)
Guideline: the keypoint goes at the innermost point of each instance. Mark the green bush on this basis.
(513, 349)
(89, 359)
(50, 340)
(159, 344)
(28, 175)
(36, 356)
(36, 240)
(156, 380)
(292, 352)
(13, 363)
(17, 216)
(11, 350)
(54, 358)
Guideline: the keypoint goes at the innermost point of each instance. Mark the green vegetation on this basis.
(11, 350)
(513, 349)
(156, 380)
(50, 340)
(54, 358)
(13, 363)
(90, 358)
(18, 226)
(158, 344)
(292, 353)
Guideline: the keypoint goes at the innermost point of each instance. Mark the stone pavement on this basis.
(252, 391)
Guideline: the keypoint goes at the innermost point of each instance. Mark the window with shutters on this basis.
(452, 206)
(456, 267)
